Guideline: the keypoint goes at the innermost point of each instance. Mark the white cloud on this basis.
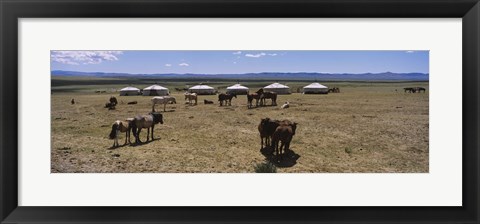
(234, 62)
(84, 57)
(168, 65)
(184, 64)
(237, 52)
(410, 52)
(255, 55)
(272, 54)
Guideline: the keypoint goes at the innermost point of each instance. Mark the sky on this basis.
(240, 61)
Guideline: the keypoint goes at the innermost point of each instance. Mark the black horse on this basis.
(227, 97)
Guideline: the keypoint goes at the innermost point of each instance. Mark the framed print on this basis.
(224, 111)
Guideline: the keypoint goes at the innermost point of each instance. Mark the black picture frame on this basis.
(12, 10)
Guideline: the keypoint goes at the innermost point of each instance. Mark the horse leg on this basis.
(148, 134)
(138, 135)
(164, 106)
(152, 131)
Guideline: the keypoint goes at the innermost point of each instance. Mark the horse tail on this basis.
(113, 133)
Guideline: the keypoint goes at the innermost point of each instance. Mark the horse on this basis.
(162, 100)
(207, 102)
(286, 105)
(191, 97)
(266, 128)
(113, 101)
(269, 95)
(72, 101)
(227, 97)
(121, 126)
(419, 89)
(145, 121)
(110, 106)
(410, 90)
(250, 98)
(284, 134)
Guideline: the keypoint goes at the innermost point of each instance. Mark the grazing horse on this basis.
(145, 121)
(250, 98)
(191, 97)
(410, 90)
(284, 134)
(113, 101)
(266, 128)
(121, 126)
(207, 102)
(227, 97)
(419, 89)
(162, 100)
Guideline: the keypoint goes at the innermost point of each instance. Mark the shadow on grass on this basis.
(289, 158)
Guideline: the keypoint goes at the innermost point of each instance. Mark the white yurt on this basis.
(155, 90)
(202, 90)
(129, 91)
(238, 89)
(277, 88)
(315, 88)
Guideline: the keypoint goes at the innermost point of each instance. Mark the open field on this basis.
(368, 127)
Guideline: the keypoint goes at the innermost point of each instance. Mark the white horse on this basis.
(121, 126)
(162, 100)
(191, 97)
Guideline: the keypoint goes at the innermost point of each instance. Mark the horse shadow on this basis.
(289, 157)
(135, 144)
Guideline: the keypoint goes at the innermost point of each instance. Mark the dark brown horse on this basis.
(409, 90)
(269, 95)
(251, 97)
(266, 128)
(113, 101)
(284, 134)
(419, 89)
(145, 121)
(227, 97)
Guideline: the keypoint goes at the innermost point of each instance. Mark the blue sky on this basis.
(240, 61)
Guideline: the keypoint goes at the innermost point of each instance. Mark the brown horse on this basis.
(266, 128)
(227, 97)
(121, 126)
(410, 90)
(269, 95)
(251, 97)
(145, 121)
(284, 134)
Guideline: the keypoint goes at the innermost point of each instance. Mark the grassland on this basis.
(368, 127)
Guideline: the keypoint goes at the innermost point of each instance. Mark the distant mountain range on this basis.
(384, 76)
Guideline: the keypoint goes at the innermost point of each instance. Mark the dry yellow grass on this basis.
(365, 128)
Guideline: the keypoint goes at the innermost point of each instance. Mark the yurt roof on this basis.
(276, 86)
(237, 86)
(201, 87)
(129, 88)
(316, 85)
(155, 87)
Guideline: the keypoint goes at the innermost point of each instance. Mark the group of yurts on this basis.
(276, 134)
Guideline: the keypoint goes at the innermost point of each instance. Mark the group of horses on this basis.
(260, 96)
(414, 89)
(275, 132)
(334, 90)
(135, 125)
